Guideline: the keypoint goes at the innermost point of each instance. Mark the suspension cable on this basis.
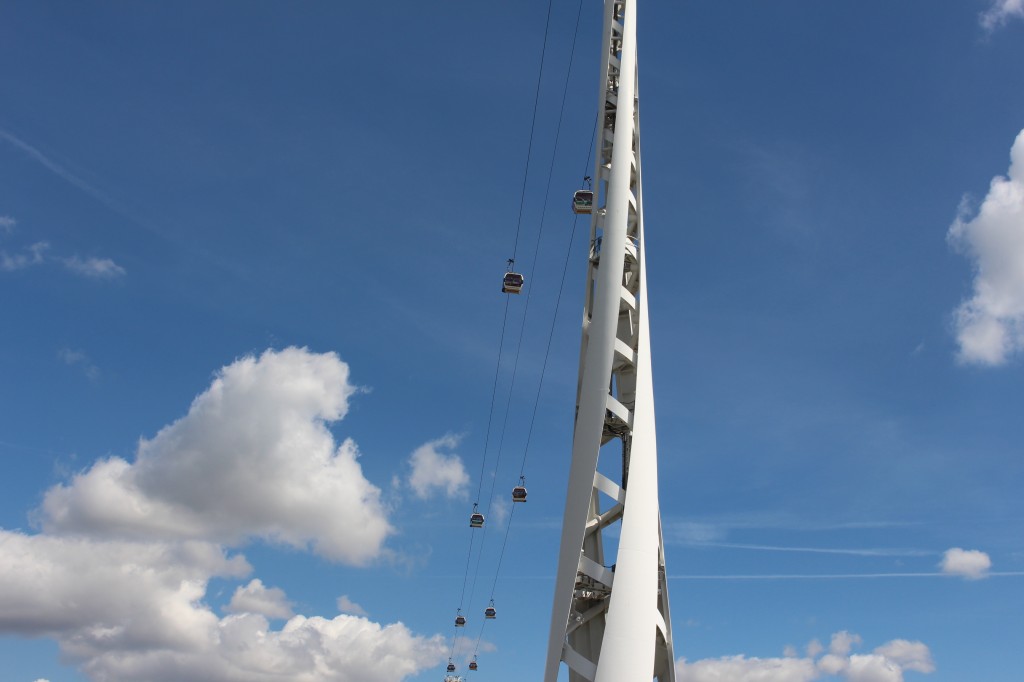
(490, 413)
(547, 351)
(497, 371)
(533, 127)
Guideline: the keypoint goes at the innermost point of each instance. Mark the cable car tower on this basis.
(610, 617)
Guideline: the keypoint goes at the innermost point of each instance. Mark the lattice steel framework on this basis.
(610, 618)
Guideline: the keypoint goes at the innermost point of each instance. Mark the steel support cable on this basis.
(561, 286)
(515, 247)
(508, 527)
(533, 127)
(536, 251)
(519, 344)
(490, 413)
(551, 331)
(536, 402)
(483, 462)
(497, 371)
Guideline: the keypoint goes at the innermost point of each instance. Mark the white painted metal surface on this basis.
(610, 618)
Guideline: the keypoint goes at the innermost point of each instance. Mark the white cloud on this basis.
(126, 611)
(432, 470)
(909, 655)
(1001, 12)
(843, 643)
(89, 590)
(872, 668)
(346, 605)
(990, 326)
(120, 574)
(260, 600)
(969, 563)
(885, 664)
(100, 268)
(7, 224)
(252, 458)
(33, 255)
(742, 669)
(243, 648)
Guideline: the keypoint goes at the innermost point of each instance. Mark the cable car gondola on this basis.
(512, 283)
(473, 665)
(583, 199)
(460, 620)
(583, 202)
(476, 519)
(451, 666)
(519, 492)
(490, 613)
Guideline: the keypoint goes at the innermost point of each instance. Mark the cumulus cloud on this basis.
(252, 458)
(1001, 12)
(244, 647)
(346, 605)
(969, 563)
(127, 610)
(990, 325)
(261, 600)
(90, 589)
(7, 224)
(886, 663)
(909, 655)
(119, 577)
(431, 470)
(100, 268)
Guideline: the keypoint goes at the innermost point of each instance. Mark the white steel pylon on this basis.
(610, 618)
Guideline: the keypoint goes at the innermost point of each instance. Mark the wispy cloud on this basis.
(32, 255)
(816, 550)
(122, 208)
(835, 576)
(781, 178)
(77, 358)
(718, 529)
(35, 254)
(100, 268)
(1001, 12)
(62, 172)
(346, 605)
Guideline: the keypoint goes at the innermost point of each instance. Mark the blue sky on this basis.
(249, 269)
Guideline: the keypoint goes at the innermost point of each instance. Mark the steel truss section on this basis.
(610, 616)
